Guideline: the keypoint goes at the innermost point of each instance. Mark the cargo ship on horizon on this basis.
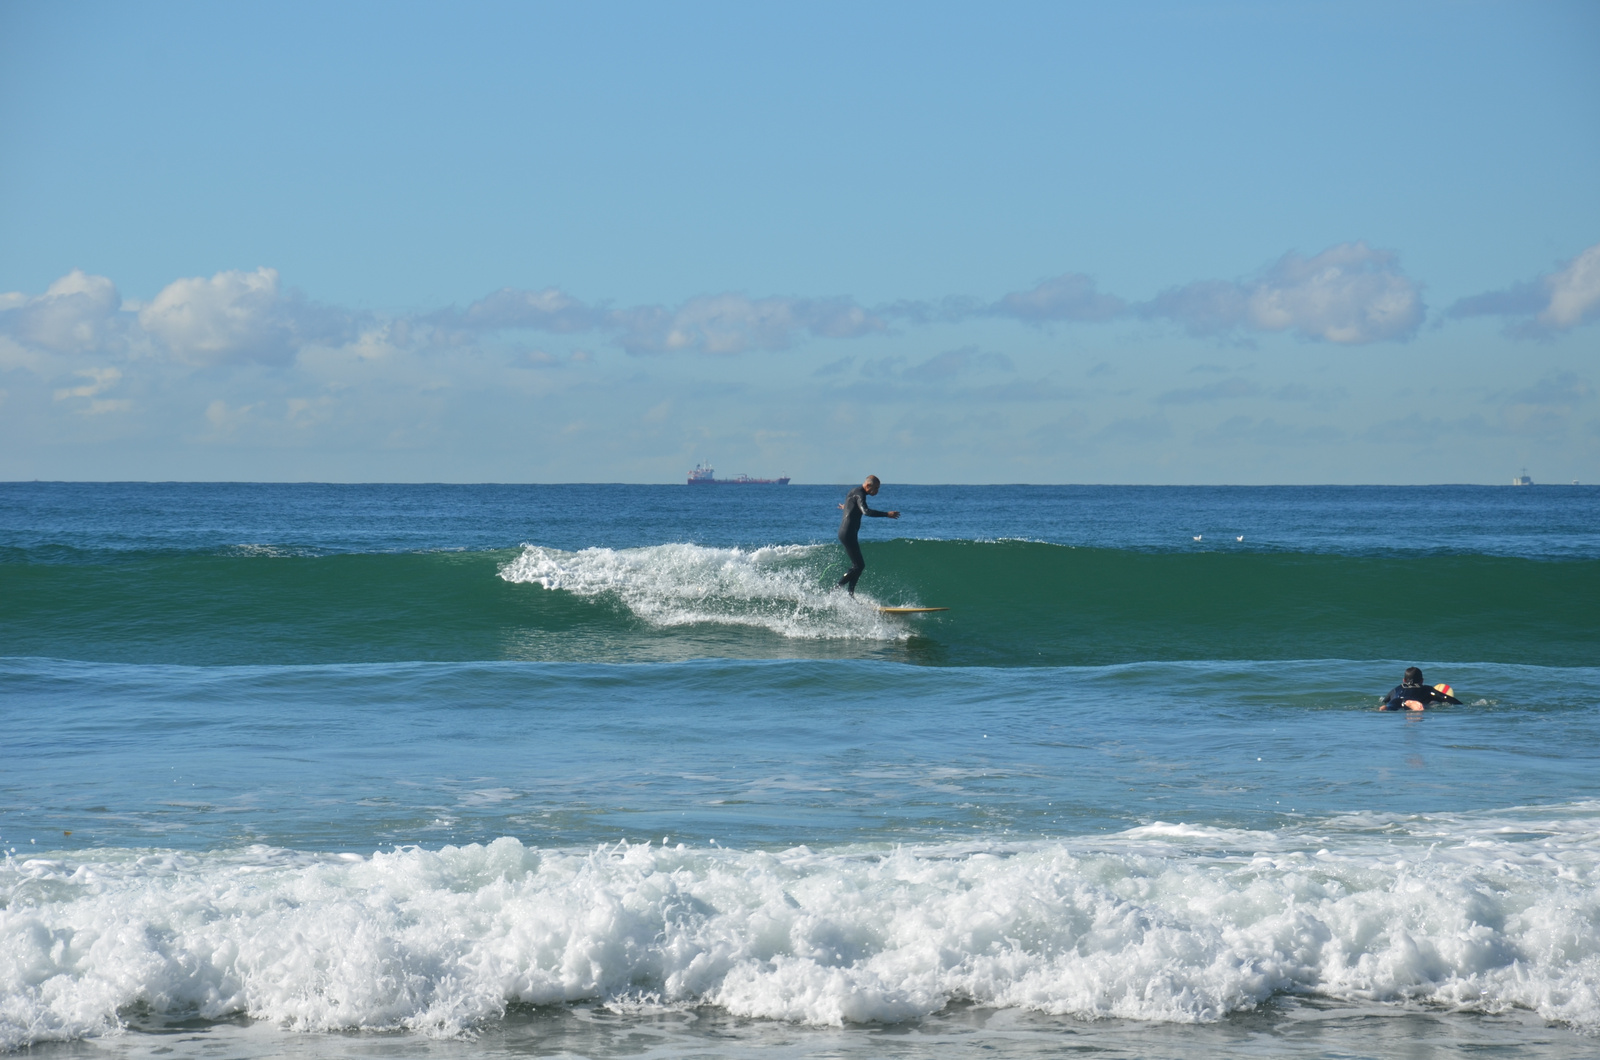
(705, 475)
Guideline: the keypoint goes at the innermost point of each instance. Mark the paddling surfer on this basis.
(855, 506)
(1412, 694)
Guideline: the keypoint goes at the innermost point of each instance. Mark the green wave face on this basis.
(1065, 606)
(1012, 604)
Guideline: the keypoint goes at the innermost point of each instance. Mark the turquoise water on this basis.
(611, 771)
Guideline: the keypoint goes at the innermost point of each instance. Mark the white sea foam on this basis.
(780, 588)
(270, 551)
(1483, 913)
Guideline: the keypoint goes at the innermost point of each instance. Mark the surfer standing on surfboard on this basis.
(855, 506)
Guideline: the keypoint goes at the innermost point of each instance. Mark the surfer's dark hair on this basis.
(874, 480)
(1413, 676)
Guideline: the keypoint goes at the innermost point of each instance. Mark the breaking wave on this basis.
(1477, 912)
(781, 588)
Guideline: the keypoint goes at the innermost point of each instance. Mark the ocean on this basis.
(612, 771)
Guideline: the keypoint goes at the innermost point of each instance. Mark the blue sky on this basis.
(1168, 243)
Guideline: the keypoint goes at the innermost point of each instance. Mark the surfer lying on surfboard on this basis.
(855, 506)
(1412, 694)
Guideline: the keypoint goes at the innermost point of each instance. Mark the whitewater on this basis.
(773, 588)
(471, 772)
(1160, 922)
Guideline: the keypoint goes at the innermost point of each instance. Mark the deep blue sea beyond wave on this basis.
(614, 771)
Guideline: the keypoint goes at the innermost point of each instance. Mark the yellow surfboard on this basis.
(910, 610)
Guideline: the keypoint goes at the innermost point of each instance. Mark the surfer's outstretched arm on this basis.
(861, 504)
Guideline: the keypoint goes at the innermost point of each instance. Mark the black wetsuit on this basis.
(855, 506)
(1424, 694)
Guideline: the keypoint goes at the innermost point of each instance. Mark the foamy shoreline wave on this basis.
(1165, 922)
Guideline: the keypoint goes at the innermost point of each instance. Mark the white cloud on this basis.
(1068, 297)
(733, 323)
(76, 314)
(1349, 293)
(203, 320)
(238, 316)
(719, 324)
(225, 420)
(1556, 301)
(231, 317)
(100, 380)
(14, 354)
(375, 344)
(546, 310)
(1574, 292)
(304, 413)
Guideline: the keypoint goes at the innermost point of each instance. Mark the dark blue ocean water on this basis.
(611, 770)
(1547, 522)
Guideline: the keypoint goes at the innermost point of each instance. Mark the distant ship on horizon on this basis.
(705, 475)
(1522, 479)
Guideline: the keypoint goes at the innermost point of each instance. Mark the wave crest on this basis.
(780, 588)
